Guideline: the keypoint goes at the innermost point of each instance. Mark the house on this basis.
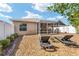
(6, 29)
(37, 26)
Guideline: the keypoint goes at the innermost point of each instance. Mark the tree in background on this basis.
(69, 10)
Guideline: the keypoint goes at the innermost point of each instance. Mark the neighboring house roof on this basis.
(50, 21)
(60, 22)
(1, 21)
(38, 20)
(4, 22)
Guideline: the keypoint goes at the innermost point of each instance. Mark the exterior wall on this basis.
(1, 30)
(6, 29)
(31, 28)
(66, 29)
(9, 29)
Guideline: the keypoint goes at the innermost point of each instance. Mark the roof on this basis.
(5, 21)
(1, 21)
(52, 21)
(27, 20)
(60, 22)
(48, 21)
(38, 20)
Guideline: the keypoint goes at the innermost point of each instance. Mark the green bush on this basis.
(1, 50)
(12, 37)
(5, 43)
(15, 35)
(8, 37)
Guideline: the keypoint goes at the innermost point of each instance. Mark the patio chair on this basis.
(44, 41)
(66, 40)
(45, 44)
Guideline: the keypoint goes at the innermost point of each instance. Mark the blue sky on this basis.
(28, 10)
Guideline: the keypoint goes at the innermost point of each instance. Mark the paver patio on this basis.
(30, 46)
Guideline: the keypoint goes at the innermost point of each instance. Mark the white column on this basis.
(39, 28)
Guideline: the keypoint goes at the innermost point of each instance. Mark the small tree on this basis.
(68, 10)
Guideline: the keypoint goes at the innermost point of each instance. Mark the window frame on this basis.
(23, 27)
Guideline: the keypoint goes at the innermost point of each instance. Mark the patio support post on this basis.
(52, 28)
(39, 28)
(47, 28)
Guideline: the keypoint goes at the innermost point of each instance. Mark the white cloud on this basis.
(40, 6)
(9, 17)
(5, 7)
(1, 15)
(5, 16)
(32, 15)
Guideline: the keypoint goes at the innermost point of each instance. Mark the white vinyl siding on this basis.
(6, 29)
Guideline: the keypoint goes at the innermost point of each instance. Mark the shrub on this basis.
(9, 38)
(12, 37)
(1, 50)
(5, 43)
(15, 35)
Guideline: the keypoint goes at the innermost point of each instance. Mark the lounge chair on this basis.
(44, 41)
(45, 44)
(66, 40)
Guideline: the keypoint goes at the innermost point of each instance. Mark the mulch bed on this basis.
(10, 49)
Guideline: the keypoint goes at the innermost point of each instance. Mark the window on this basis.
(23, 27)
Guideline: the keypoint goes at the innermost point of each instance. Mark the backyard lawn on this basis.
(30, 46)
